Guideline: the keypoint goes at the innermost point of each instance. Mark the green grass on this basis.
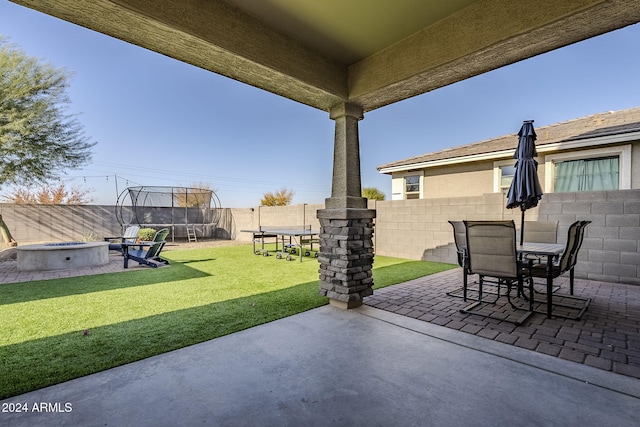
(204, 294)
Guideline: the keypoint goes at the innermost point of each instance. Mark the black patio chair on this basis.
(566, 263)
(147, 253)
(491, 253)
(460, 240)
(541, 231)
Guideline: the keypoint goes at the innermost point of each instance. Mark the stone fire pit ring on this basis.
(62, 255)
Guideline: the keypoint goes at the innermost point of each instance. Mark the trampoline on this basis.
(187, 212)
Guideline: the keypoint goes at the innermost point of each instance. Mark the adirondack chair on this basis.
(147, 253)
(129, 236)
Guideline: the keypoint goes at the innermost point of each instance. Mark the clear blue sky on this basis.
(158, 121)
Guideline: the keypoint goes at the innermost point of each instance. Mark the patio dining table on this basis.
(549, 250)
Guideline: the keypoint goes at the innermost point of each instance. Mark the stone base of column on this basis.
(346, 255)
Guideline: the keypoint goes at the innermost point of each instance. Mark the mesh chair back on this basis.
(159, 238)
(460, 239)
(491, 248)
(541, 231)
(573, 257)
(572, 239)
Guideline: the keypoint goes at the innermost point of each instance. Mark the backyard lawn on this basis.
(56, 330)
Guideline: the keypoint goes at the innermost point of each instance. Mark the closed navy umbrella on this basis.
(525, 190)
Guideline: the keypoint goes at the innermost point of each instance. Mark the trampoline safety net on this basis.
(155, 206)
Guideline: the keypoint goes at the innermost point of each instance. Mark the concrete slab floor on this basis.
(346, 368)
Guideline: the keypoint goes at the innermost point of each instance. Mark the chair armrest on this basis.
(141, 243)
(119, 238)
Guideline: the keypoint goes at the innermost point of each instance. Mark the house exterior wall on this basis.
(480, 177)
(458, 180)
(635, 165)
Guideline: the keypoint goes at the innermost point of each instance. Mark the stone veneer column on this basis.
(346, 225)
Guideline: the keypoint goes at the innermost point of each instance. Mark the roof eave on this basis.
(495, 155)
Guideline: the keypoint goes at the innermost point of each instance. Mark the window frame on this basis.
(623, 152)
(497, 174)
(406, 184)
(402, 194)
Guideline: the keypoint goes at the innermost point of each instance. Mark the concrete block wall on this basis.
(272, 217)
(612, 240)
(418, 229)
(413, 229)
(55, 223)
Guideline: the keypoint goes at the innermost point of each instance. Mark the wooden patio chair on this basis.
(129, 236)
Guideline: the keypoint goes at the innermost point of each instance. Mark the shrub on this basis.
(90, 236)
(146, 234)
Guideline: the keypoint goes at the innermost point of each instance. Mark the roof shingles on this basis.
(596, 125)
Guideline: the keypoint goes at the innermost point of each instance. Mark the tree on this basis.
(372, 193)
(193, 198)
(39, 140)
(281, 197)
(49, 194)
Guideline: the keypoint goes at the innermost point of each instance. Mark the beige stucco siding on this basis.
(635, 165)
(477, 178)
(458, 180)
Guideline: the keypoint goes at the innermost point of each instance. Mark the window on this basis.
(412, 186)
(597, 169)
(506, 176)
(503, 172)
(597, 174)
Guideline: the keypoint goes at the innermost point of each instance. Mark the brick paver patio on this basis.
(606, 337)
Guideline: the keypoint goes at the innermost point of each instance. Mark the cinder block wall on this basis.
(272, 217)
(418, 229)
(55, 223)
(413, 229)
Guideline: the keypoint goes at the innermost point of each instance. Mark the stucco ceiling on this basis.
(368, 52)
(350, 30)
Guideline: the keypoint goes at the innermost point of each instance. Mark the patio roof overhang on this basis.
(371, 53)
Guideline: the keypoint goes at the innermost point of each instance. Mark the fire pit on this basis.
(63, 255)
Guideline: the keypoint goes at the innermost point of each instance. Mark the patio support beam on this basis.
(346, 225)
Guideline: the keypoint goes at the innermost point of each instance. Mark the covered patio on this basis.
(408, 356)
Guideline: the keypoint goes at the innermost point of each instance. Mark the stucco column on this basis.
(346, 188)
(346, 225)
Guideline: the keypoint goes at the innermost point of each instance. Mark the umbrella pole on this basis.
(522, 228)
